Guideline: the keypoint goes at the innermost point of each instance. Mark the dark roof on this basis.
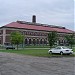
(37, 26)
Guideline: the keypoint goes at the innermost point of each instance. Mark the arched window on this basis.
(34, 41)
(26, 41)
(45, 42)
(37, 41)
(41, 41)
(29, 41)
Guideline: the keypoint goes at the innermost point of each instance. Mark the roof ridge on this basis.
(39, 24)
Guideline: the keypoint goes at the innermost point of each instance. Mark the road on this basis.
(14, 64)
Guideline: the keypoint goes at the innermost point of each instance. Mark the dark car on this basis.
(10, 47)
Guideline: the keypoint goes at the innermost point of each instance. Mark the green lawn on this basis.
(34, 52)
(31, 50)
(37, 46)
(74, 49)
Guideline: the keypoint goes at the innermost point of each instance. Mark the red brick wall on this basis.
(1, 39)
(1, 32)
(7, 39)
(9, 31)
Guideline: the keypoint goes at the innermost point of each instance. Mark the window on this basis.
(29, 41)
(26, 41)
(58, 47)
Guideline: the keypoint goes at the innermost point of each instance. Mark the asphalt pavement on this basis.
(15, 64)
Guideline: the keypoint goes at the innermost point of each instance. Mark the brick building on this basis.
(35, 33)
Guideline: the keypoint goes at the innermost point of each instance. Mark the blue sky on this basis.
(52, 12)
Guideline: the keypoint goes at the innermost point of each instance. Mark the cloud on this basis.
(56, 12)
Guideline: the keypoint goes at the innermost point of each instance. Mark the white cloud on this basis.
(58, 12)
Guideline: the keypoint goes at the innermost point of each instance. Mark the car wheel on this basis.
(68, 54)
(6, 48)
(50, 52)
(61, 53)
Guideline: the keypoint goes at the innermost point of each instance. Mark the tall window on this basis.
(26, 41)
(34, 41)
(45, 42)
(29, 41)
(41, 41)
(37, 41)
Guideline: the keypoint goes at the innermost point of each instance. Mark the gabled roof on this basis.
(37, 27)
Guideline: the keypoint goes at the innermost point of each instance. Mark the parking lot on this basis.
(14, 64)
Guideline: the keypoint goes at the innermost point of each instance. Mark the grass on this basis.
(37, 46)
(31, 50)
(74, 49)
(34, 52)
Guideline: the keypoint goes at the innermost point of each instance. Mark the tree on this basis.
(16, 38)
(70, 39)
(52, 38)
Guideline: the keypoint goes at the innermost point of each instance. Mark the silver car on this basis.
(61, 50)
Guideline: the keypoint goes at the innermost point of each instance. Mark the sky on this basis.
(52, 12)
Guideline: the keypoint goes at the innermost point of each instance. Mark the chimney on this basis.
(34, 19)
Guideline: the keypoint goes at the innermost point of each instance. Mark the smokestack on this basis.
(34, 19)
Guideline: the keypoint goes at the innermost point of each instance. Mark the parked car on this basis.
(9, 47)
(61, 50)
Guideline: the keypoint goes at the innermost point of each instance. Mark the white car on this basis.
(61, 50)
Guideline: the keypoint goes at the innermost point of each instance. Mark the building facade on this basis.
(34, 33)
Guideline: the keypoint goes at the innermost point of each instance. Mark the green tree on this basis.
(70, 39)
(16, 38)
(52, 38)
